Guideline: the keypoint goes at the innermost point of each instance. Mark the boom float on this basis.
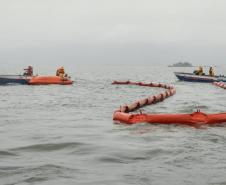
(198, 118)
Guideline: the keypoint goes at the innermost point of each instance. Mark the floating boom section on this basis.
(220, 84)
(198, 118)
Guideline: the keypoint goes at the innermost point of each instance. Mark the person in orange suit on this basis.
(199, 71)
(60, 72)
(28, 71)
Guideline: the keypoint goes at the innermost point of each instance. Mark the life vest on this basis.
(60, 72)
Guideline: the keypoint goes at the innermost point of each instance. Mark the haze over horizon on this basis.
(102, 32)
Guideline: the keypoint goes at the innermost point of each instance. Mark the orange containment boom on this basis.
(198, 118)
(220, 84)
(193, 119)
(47, 80)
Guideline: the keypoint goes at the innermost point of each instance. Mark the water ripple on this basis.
(48, 147)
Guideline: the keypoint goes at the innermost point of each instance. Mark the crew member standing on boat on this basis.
(199, 71)
(211, 72)
(28, 71)
(60, 72)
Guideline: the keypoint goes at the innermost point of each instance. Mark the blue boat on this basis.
(191, 77)
(14, 79)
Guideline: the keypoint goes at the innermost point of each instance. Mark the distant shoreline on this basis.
(190, 66)
(181, 64)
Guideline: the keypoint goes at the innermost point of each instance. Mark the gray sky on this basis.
(113, 31)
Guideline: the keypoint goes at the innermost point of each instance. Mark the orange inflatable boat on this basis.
(47, 80)
(195, 119)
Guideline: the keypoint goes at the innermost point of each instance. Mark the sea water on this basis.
(65, 134)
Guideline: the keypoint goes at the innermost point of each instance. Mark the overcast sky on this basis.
(113, 31)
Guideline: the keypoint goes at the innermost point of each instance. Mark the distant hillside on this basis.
(181, 64)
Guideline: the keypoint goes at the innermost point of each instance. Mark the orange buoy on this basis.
(198, 118)
(47, 80)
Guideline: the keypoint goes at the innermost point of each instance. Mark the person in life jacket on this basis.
(211, 72)
(61, 72)
(28, 71)
(199, 71)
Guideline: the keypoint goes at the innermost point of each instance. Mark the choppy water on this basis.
(65, 134)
